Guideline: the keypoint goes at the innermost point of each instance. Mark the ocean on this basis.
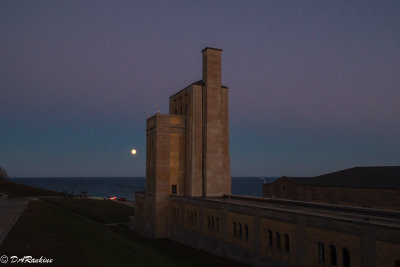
(126, 186)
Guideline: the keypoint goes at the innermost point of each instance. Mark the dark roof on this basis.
(385, 177)
(200, 82)
(213, 48)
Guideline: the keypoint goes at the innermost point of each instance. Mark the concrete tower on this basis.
(187, 150)
(216, 159)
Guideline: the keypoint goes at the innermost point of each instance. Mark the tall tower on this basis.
(187, 150)
(216, 159)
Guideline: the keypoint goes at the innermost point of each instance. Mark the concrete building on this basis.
(188, 196)
(370, 187)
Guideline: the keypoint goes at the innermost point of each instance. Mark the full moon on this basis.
(133, 151)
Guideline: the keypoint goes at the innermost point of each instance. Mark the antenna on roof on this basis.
(158, 110)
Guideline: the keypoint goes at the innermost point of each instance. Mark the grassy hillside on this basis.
(14, 190)
(72, 233)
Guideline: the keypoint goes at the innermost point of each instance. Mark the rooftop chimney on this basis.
(212, 67)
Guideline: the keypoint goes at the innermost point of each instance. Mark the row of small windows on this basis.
(238, 231)
(213, 223)
(181, 110)
(141, 208)
(333, 255)
(278, 241)
(175, 213)
(192, 217)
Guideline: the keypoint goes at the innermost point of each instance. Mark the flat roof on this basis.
(213, 48)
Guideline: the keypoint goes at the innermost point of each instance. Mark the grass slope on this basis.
(103, 211)
(59, 229)
(14, 190)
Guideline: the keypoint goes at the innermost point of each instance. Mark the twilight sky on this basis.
(314, 84)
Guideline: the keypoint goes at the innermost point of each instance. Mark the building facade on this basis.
(188, 196)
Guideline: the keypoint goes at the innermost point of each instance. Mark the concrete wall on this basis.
(368, 244)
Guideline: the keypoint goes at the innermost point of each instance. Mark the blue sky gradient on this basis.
(314, 85)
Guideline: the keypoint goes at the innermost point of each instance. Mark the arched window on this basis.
(321, 252)
(333, 256)
(240, 230)
(234, 229)
(278, 240)
(346, 257)
(270, 239)
(246, 229)
(287, 247)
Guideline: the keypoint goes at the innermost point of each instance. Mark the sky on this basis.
(314, 85)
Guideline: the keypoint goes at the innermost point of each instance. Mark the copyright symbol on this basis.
(4, 259)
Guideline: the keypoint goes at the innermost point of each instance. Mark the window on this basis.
(246, 229)
(209, 223)
(270, 239)
(240, 230)
(278, 240)
(174, 189)
(287, 247)
(333, 256)
(212, 223)
(234, 229)
(346, 257)
(321, 252)
(217, 221)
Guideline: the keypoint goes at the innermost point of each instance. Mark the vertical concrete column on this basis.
(225, 225)
(216, 176)
(256, 233)
(301, 241)
(368, 246)
(201, 227)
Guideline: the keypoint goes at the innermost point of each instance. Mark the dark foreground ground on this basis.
(83, 232)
